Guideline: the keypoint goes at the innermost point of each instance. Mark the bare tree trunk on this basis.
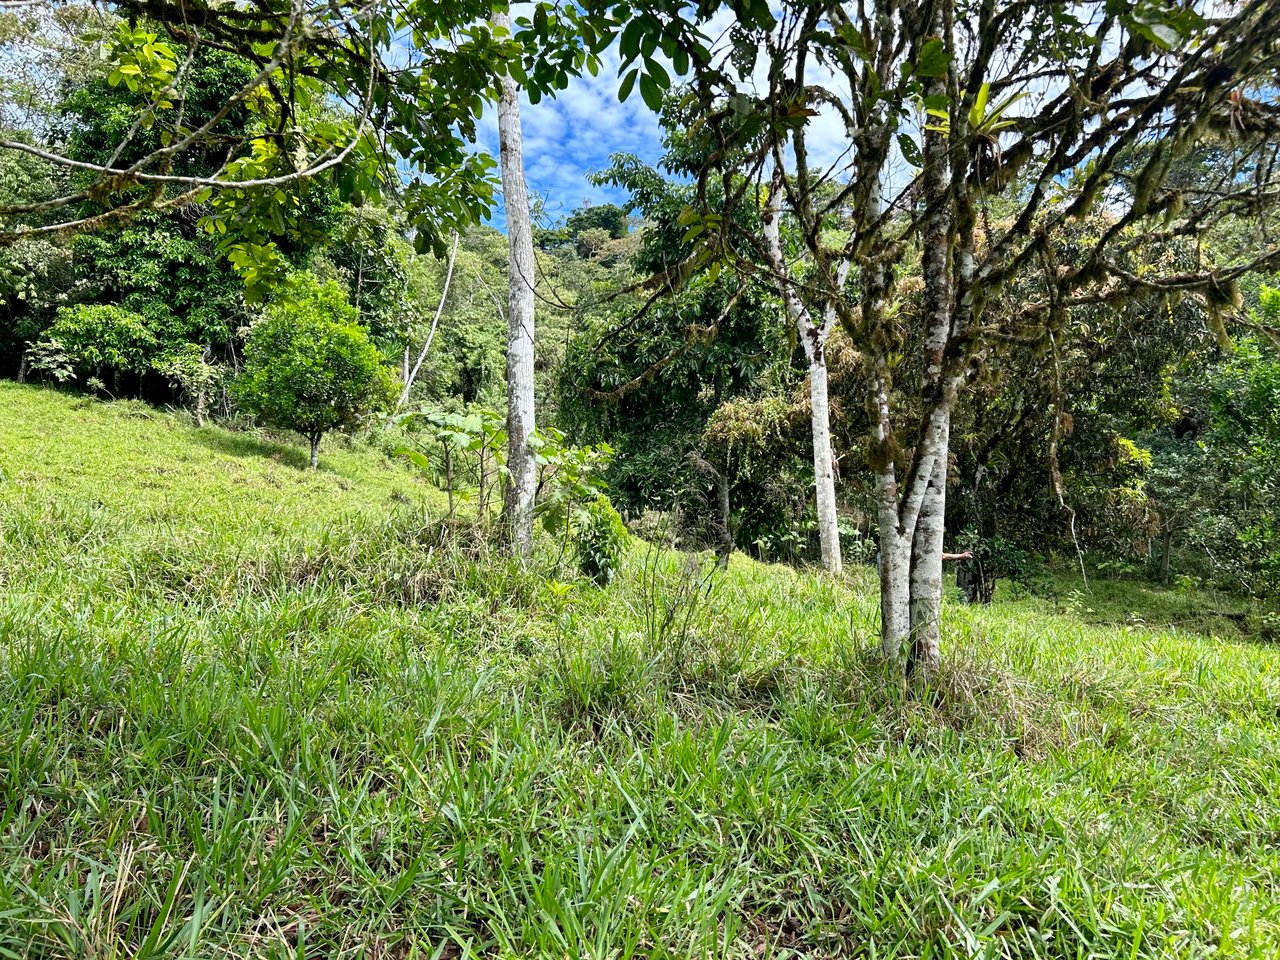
(315, 451)
(412, 375)
(926, 575)
(823, 461)
(814, 337)
(726, 530)
(895, 544)
(1165, 551)
(522, 480)
(895, 589)
(202, 405)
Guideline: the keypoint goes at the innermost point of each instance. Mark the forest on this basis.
(639, 478)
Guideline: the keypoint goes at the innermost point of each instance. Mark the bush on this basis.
(100, 337)
(601, 539)
(310, 367)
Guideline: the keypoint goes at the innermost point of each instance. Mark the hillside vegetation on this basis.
(255, 711)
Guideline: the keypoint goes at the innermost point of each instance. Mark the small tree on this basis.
(97, 338)
(189, 369)
(310, 367)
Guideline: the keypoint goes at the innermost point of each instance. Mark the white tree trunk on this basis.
(824, 462)
(926, 572)
(814, 339)
(895, 543)
(522, 471)
(411, 375)
(895, 588)
(931, 477)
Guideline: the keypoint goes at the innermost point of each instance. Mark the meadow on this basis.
(252, 711)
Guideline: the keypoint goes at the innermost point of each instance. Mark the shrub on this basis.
(188, 368)
(310, 367)
(102, 337)
(601, 539)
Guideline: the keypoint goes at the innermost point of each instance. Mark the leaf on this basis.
(933, 59)
(651, 92)
(978, 111)
(658, 72)
(910, 150)
(629, 44)
(628, 82)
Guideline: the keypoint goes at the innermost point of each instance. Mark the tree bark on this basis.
(824, 461)
(522, 472)
(814, 337)
(315, 451)
(895, 589)
(726, 530)
(926, 574)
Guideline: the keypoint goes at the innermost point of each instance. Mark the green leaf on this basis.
(933, 59)
(651, 92)
(628, 82)
(910, 150)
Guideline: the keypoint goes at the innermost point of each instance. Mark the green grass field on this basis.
(248, 711)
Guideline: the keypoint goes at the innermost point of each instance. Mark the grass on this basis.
(247, 711)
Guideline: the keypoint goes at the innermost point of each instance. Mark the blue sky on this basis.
(573, 135)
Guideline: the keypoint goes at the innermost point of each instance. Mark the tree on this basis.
(103, 338)
(940, 85)
(522, 475)
(649, 366)
(309, 367)
(813, 337)
(411, 78)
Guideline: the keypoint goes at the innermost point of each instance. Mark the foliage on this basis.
(50, 360)
(98, 337)
(312, 95)
(601, 539)
(480, 432)
(572, 503)
(648, 377)
(189, 369)
(309, 367)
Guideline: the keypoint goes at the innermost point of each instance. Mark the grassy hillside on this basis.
(248, 711)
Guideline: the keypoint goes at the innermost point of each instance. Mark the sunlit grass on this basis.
(248, 711)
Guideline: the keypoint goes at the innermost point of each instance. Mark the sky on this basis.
(573, 135)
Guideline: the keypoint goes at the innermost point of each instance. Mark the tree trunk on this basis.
(726, 530)
(202, 404)
(522, 480)
(1165, 551)
(926, 574)
(22, 369)
(895, 588)
(824, 462)
(937, 388)
(814, 337)
(315, 451)
(410, 375)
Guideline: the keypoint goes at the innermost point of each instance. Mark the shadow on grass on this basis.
(246, 445)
